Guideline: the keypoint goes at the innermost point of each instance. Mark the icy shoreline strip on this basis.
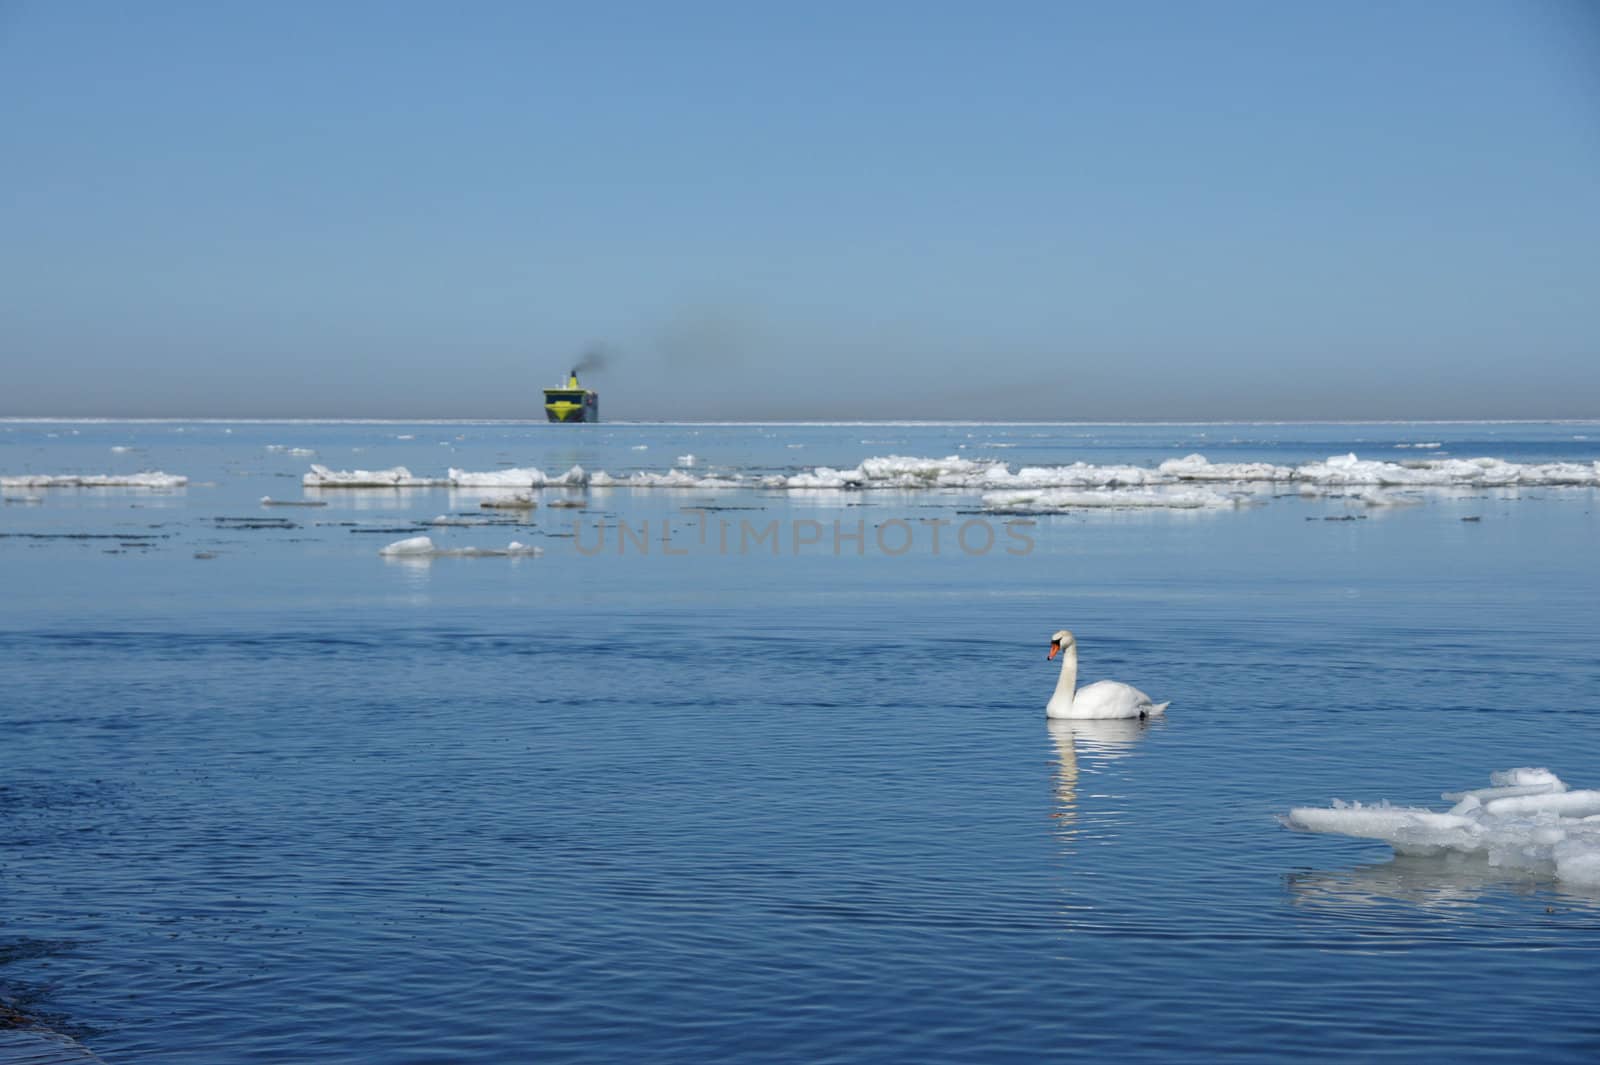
(898, 472)
(1527, 819)
(154, 479)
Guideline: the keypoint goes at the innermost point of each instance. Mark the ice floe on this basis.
(673, 478)
(512, 501)
(76, 480)
(1526, 819)
(525, 477)
(1074, 498)
(1198, 468)
(394, 477)
(1447, 473)
(424, 547)
(1377, 498)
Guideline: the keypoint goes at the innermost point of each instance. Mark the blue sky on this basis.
(1010, 210)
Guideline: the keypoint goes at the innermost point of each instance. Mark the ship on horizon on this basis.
(572, 402)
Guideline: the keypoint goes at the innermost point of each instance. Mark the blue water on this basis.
(289, 801)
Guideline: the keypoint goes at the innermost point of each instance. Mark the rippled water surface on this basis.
(267, 796)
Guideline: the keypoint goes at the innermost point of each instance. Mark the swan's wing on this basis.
(1110, 698)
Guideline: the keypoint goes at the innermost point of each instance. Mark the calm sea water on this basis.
(266, 796)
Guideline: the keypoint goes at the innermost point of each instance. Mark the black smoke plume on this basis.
(594, 360)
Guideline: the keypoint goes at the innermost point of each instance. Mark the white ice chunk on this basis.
(1142, 498)
(671, 479)
(1199, 468)
(526, 477)
(514, 501)
(394, 477)
(1478, 472)
(154, 479)
(513, 478)
(1554, 829)
(1525, 777)
(424, 547)
(1525, 781)
(416, 545)
(1583, 803)
(1378, 498)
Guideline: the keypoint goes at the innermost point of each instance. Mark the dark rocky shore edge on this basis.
(27, 1039)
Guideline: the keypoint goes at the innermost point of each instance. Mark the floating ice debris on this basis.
(670, 479)
(284, 449)
(448, 519)
(1469, 473)
(1198, 468)
(73, 480)
(406, 436)
(1376, 498)
(1420, 446)
(268, 501)
(1526, 819)
(687, 460)
(516, 501)
(512, 478)
(1073, 498)
(424, 547)
(526, 477)
(416, 545)
(641, 447)
(120, 449)
(396, 477)
(568, 503)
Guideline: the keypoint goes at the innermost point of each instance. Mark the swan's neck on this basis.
(1069, 679)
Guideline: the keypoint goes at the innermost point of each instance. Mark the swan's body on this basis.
(1102, 699)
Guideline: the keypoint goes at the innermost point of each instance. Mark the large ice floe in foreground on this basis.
(1526, 819)
(424, 547)
(110, 480)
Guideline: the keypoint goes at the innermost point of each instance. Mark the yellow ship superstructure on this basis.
(572, 402)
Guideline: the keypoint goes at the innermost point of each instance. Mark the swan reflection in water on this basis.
(1437, 883)
(1084, 743)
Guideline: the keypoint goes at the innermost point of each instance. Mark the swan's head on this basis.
(1061, 641)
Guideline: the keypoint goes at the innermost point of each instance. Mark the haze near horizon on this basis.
(1037, 211)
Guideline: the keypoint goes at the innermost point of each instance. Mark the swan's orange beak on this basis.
(1054, 647)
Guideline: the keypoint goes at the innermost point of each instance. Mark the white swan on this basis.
(1103, 698)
